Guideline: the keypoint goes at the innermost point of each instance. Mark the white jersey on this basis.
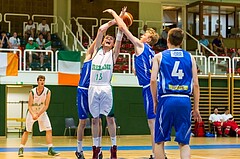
(39, 100)
(226, 117)
(215, 117)
(102, 68)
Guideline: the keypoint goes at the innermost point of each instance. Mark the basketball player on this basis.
(82, 100)
(38, 103)
(143, 65)
(178, 80)
(100, 91)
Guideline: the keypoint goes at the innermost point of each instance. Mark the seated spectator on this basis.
(206, 43)
(30, 29)
(218, 45)
(229, 123)
(216, 120)
(14, 41)
(41, 41)
(44, 28)
(4, 41)
(236, 63)
(33, 46)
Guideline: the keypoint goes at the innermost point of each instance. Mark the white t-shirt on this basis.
(225, 117)
(215, 117)
(40, 43)
(43, 28)
(15, 42)
(29, 27)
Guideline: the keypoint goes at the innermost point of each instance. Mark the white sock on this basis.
(114, 140)
(96, 141)
(50, 145)
(100, 141)
(22, 146)
(79, 146)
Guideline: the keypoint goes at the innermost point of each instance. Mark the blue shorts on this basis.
(82, 103)
(173, 111)
(148, 102)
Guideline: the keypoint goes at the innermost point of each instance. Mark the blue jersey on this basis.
(175, 72)
(85, 74)
(143, 65)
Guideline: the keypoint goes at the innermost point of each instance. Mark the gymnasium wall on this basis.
(2, 110)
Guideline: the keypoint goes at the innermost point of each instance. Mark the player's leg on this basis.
(45, 125)
(149, 110)
(184, 151)
(94, 108)
(163, 126)
(29, 125)
(159, 150)
(182, 122)
(83, 111)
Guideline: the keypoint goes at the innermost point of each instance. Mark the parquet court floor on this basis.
(129, 147)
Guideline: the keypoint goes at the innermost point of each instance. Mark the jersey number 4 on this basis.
(176, 72)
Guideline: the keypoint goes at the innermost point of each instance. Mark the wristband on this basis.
(119, 36)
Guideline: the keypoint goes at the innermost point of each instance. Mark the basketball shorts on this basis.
(148, 103)
(43, 122)
(100, 100)
(82, 103)
(173, 111)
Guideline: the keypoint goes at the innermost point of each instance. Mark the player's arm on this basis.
(47, 101)
(122, 26)
(30, 103)
(153, 82)
(196, 92)
(90, 51)
(101, 30)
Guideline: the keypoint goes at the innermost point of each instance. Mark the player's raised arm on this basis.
(122, 26)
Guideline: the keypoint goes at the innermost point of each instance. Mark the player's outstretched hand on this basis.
(109, 11)
(124, 9)
(196, 115)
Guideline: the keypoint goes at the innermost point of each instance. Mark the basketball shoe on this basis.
(113, 151)
(79, 155)
(51, 152)
(97, 153)
(20, 152)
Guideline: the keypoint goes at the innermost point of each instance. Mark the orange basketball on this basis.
(128, 19)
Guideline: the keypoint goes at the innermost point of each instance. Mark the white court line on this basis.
(194, 156)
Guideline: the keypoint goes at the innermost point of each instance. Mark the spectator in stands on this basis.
(218, 45)
(4, 41)
(206, 43)
(216, 32)
(164, 36)
(236, 63)
(44, 28)
(14, 41)
(40, 41)
(30, 29)
(229, 123)
(33, 55)
(216, 120)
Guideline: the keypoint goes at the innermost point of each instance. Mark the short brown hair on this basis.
(40, 77)
(175, 36)
(153, 35)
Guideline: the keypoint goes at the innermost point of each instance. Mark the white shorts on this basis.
(100, 100)
(43, 122)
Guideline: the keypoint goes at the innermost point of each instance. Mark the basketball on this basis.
(128, 19)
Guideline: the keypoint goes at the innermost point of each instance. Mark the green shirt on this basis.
(33, 46)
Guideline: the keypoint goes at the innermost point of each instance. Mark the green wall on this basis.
(2, 110)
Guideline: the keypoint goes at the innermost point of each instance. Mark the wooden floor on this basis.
(129, 147)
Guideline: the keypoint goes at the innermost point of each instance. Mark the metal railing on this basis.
(27, 52)
(196, 40)
(54, 25)
(15, 51)
(13, 14)
(67, 33)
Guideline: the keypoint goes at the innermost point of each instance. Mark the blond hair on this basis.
(153, 35)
